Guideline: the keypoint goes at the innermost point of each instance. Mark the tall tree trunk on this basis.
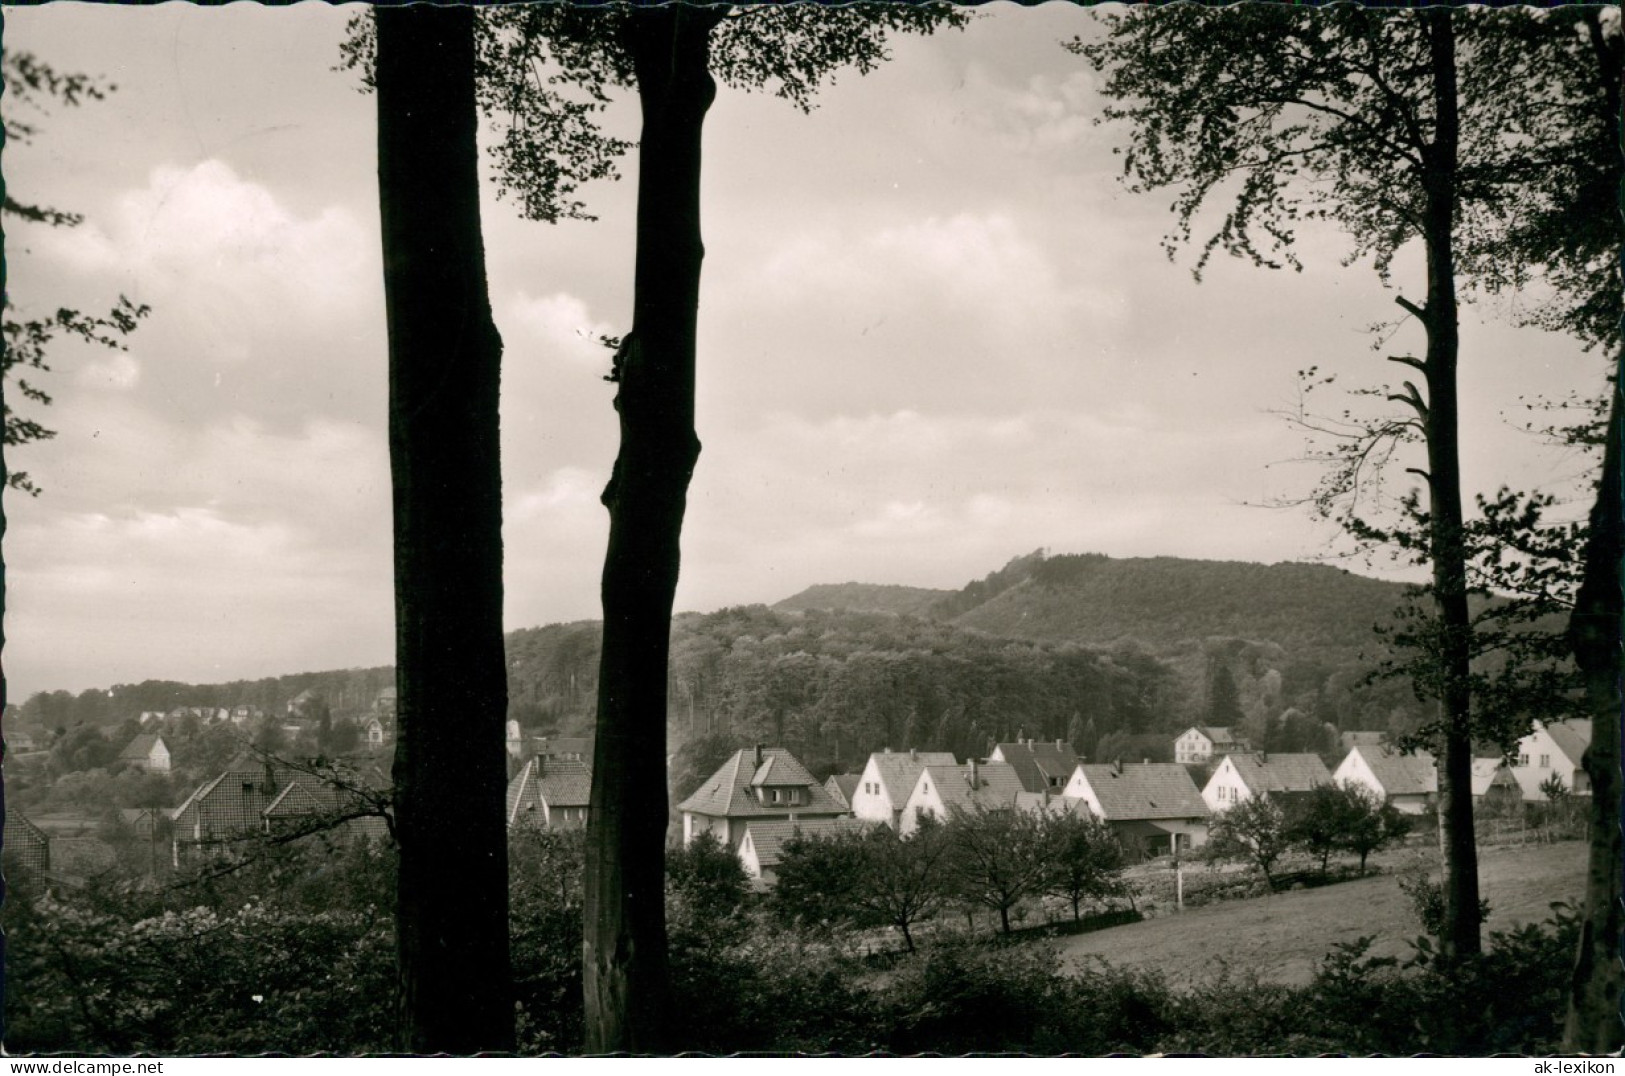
(1593, 1023)
(444, 369)
(624, 949)
(1446, 537)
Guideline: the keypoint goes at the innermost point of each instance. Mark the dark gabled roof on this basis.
(842, 787)
(726, 793)
(557, 782)
(1280, 773)
(997, 786)
(141, 746)
(899, 771)
(1144, 790)
(1401, 775)
(1036, 763)
(1571, 737)
(769, 837)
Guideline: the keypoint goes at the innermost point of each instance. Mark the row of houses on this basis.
(1551, 752)
(761, 796)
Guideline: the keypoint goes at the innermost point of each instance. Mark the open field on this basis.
(1284, 936)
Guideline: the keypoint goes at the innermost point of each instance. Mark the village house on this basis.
(1242, 776)
(1041, 767)
(550, 792)
(888, 779)
(254, 799)
(1199, 743)
(763, 844)
(759, 784)
(146, 752)
(1493, 783)
(842, 787)
(1553, 750)
(1409, 782)
(1154, 807)
(374, 733)
(975, 786)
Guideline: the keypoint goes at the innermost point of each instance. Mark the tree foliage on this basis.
(1254, 832)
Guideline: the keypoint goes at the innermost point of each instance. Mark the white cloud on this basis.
(117, 371)
(560, 322)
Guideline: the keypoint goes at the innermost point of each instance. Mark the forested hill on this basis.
(865, 598)
(1314, 611)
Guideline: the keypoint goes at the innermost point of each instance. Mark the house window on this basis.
(1545, 762)
(1523, 760)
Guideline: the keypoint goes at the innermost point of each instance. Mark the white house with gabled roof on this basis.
(887, 781)
(1553, 750)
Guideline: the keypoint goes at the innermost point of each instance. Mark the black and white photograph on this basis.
(570, 529)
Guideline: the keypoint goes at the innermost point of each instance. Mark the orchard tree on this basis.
(1392, 124)
(996, 859)
(1371, 823)
(1253, 831)
(444, 363)
(1083, 858)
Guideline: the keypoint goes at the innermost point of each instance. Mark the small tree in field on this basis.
(1318, 821)
(998, 858)
(818, 878)
(1371, 823)
(1254, 831)
(1083, 859)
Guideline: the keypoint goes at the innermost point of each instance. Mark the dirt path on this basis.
(1284, 936)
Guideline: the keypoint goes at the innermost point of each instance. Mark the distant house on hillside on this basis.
(1553, 750)
(146, 752)
(26, 845)
(760, 784)
(252, 800)
(763, 843)
(887, 781)
(842, 787)
(1409, 782)
(550, 792)
(975, 786)
(1199, 743)
(1242, 776)
(1040, 767)
(374, 733)
(1154, 807)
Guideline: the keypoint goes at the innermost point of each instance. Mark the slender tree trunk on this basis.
(1446, 532)
(444, 364)
(1593, 1023)
(624, 950)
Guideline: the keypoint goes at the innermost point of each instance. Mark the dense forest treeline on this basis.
(1110, 655)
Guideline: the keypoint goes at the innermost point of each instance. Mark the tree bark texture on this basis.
(1462, 921)
(444, 371)
(624, 949)
(1594, 1023)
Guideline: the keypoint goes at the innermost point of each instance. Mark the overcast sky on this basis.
(936, 333)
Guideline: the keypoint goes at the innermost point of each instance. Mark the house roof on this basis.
(899, 771)
(559, 782)
(996, 785)
(238, 801)
(1037, 763)
(1487, 772)
(1144, 790)
(1401, 775)
(1280, 773)
(141, 746)
(1571, 737)
(18, 828)
(842, 787)
(769, 837)
(726, 793)
(556, 746)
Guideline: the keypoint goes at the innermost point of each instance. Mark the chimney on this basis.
(973, 774)
(1029, 742)
(1059, 744)
(1264, 757)
(1117, 764)
(758, 756)
(913, 755)
(888, 750)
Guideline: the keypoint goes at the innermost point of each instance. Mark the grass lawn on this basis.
(1284, 936)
